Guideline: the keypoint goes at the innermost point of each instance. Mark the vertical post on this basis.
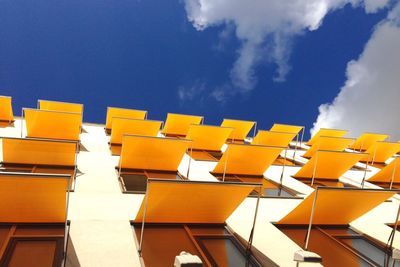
(226, 163)
(314, 169)
(302, 136)
(190, 160)
(146, 197)
(393, 173)
(311, 219)
(295, 147)
(66, 232)
(22, 120)
(365, 173)
(283, 166)
(373, 158)
(250, 242)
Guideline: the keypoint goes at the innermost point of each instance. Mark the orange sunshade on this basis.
(152, 153)
(326, 132)
(247, 159)
(121, 126)
(36, 151)
(366, 140)
(52, 124)
(60, 106)
(381, 151)
(240, 128)
(329, 164)
(208, 137)
(328, 143)
(392, 170)
(285, 128)
(123, 113)
(6, 112)
(336, 206)
(33, 198)
(179, 124)
(270, 138)
(191, 202)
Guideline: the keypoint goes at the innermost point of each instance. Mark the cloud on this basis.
(369, 99)
(265, 29)
(190, 93)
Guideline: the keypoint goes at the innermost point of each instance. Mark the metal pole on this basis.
(190, 160)
(144, 218)
(311, 219)
(373, 158)
(254, 222)
(314, 169)
(255, 129)
(295, 147)
(226, 163)
(283, 167)
(393, 173)
(22, 121)
(365, 173)
(302, 136)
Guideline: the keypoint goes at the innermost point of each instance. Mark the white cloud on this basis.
(265, 28)
(369, 100)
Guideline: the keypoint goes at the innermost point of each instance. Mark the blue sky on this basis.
(141, 54)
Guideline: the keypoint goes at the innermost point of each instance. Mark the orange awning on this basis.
(121, 126)
(152, 153)
(366, 140)
(328, 143)
(208, 137)
(39, 152)
(179, 124)
(329, 164)
(191, 202)
(33, 198)
(247, 159)
(381, 151)
(6, 112)
(285, 128)
(387, 172)
(270, 138)
(336, 206)
(60, 106)
(52, 124)
(240, 128)
(326, 132)
(123, 113)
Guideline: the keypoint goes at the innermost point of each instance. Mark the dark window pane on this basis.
(135, 182)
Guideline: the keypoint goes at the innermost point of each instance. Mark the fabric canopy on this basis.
(240, 128)
(123, 113)
(208, 137)
(179, 124)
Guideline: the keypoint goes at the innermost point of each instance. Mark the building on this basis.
(211, 191)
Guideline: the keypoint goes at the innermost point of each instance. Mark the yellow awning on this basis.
(336, 206)
(329, 164)
(240, 128)
(39, 152)
(285, 128)
(247, 159)
(387, 172)
(60, 106)
(328, 143)
(52, 124)
(121, 126)
(6, 112)
(179, 124)
(381, 151)
(192, 202)
(152, 153)
(123, 113)
(366, 140)
(208, 137)
(33, 198)
(270, 138)
(326, 132)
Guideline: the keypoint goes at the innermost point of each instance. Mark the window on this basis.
(269, 188)
(339, 245)
(135, 181)
(216, 245)
(205, 155)
(36, 245)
